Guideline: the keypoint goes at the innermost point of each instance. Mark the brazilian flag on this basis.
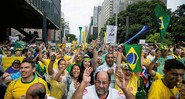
(133, 56)
(163, 19)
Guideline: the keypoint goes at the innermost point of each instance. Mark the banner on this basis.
(111, 34)
(13, 39)
(7, 61)
(133, 56)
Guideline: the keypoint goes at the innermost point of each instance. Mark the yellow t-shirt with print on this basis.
(131, 84)
(159, 91)
(17, 88)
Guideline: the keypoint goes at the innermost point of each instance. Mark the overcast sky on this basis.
(78, 12)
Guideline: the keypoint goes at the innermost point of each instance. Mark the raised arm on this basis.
(50, 67)
(95, 54)
(60, 73)
(78, 94)
(40, 53)
(151, 65)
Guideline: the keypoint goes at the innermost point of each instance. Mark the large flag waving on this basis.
(163, 20)
(133, 56)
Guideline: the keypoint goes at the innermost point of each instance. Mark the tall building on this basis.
(105, 13)
(96, 11)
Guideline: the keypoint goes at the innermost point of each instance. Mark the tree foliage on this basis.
(156, 38)
(177, 26)
(140, 14)
(71, 37)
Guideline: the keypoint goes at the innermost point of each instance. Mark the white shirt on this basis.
(71, 91)
(90, 93)
(105, 67)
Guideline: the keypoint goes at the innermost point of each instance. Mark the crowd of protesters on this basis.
(92, 71)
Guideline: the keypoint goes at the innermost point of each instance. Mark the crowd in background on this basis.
(62, 69)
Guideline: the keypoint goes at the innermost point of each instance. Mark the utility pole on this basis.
(127, 24)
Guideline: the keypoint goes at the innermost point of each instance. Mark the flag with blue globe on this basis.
(133, 56)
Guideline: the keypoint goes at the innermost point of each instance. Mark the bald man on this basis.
(101, 89)
(37, 91)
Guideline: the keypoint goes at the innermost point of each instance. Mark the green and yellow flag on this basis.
(163, 20)
(133, 56)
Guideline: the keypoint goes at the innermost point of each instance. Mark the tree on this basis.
(177, 26)
(140, 14)
(156, 38)
(90, 38)
(71, 37)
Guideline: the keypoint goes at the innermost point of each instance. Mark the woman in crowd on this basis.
(58, 78)
(74, 80)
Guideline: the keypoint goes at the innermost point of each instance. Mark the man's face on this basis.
(78, 58)
(9, 54)
(26, 70)
(99, 60)
(110, 59)
(102, 83)
(174, 76)
(100, 54)
(127, 73)
(177, 51)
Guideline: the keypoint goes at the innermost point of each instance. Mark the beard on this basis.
(101, 92)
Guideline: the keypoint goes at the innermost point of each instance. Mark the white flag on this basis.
(111, 34)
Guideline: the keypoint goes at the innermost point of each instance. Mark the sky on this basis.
(78, 12)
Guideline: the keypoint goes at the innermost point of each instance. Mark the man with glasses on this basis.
(101, 89)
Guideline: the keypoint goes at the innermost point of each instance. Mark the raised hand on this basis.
(76, 84)
(86, 77)
(120, 81)
(110, 71)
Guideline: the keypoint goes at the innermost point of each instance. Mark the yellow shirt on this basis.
(131, 84)
(157, 76)
(159, 91)
(146, 61)
(17, 88)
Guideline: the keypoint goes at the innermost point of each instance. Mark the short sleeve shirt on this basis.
(90, 93)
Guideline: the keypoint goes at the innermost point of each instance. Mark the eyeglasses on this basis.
(99, 82)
